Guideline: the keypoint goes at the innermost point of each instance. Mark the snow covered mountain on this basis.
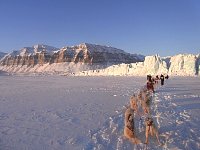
(85, 53)
(28, 55)
(90, 59)
(71, 59)
(2, 54)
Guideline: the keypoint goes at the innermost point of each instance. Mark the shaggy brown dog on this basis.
(133, 103)
(144, 99)
(146, 103)
(140, 97)
(150, 86)
(129, 131)
(151, 129)
(155, 80)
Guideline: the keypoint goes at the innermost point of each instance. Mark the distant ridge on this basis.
(84, 53)
(2, 54)
(69, 59)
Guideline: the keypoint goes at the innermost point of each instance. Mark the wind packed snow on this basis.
(57, 112)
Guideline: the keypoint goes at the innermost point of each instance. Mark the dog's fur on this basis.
(141, 95)
(129, 131)
(151, 129)
(133, 103)
(146, 104)
(150, 86)
(155, 79)
(144, 99)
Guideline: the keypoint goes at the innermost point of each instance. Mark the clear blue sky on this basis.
(166, 27)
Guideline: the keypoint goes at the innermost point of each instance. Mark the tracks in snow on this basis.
(173, 123)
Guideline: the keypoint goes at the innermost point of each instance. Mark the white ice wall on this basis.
(183, 65)
(198, 64)
(151, 65)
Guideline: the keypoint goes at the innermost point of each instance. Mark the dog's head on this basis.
(133, 102)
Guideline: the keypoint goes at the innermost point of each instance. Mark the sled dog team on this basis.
(141, 100)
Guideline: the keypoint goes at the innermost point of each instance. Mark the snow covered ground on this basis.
(59, 113)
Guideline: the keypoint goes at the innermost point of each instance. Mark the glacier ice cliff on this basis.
(178, 65)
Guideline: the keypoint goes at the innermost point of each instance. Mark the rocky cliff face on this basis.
(84, 53)
(30, 56)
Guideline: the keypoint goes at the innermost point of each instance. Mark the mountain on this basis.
(2, 54)
(28, 55)
(90, 59)
(41, 57)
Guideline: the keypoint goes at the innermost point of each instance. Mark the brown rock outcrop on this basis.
(83, 53)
